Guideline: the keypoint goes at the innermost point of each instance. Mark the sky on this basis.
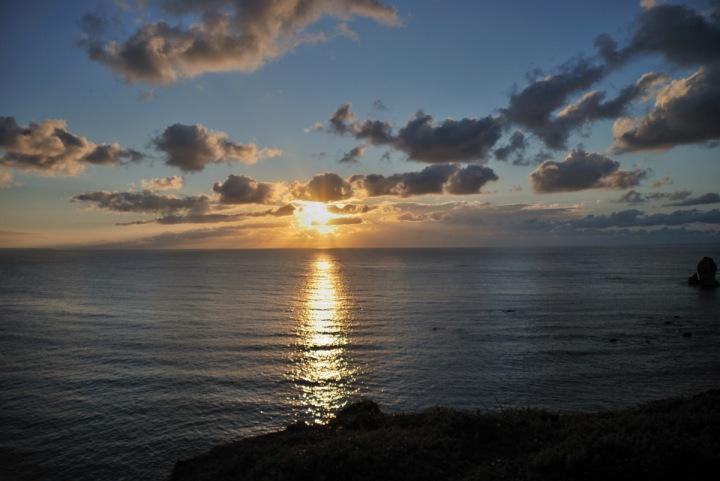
(358, 123)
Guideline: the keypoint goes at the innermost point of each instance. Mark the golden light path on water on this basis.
(322, 372)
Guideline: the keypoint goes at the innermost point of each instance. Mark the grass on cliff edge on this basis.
(677, 439)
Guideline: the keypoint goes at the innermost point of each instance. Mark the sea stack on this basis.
(705, 275)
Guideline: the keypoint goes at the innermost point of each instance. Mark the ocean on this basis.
(114, 364)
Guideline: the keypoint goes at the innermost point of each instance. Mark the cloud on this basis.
(241, 189)
(510, 218)
(465, 140)
(230, 35)
(192, 147)
(635, 197)
(667, 180)
(469, 179)
(49, 148)
(582, 170)
(353, 155)
(144, 202)
(434, 179)
(681, 34)
(379, 105)
(174, 182)
(637, 218)
(705, 199)
(516, 145)
(466, 223)
(553, 107)
(213, 218)
(529, 110)
(344, 221)
(685, 112)
(592, 106)
(533, 106)
(325, 187)
(421, 138)
(349, 209)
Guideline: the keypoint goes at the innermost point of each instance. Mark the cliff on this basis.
(676, 439)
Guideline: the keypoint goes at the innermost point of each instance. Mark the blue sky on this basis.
(451, 59)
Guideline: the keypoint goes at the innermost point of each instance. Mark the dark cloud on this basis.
(470, 179)
(112, 154)
(465, 140)
(341, 119)
(325, 187)
(533, 106)
(631, 197)
(685, 112)
(353, 155)
(704, 199)
(591, 107)
(434, 179)
(582, 170)
(172, 219)
(230, 35)
(637, 218)
(681, 34)
(213, 218)
(509, 218)
(554, 129)
(144, 202)
(516, 145)
(192, 147)
(241, 189)
(48, 147)
(635, 197)
(549, 107)
(473, 223)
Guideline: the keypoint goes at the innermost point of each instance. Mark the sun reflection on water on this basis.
(322, 372)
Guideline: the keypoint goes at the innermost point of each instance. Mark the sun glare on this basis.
(324, 373)
(314, 216)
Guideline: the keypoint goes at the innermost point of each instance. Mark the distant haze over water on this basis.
(114, 364)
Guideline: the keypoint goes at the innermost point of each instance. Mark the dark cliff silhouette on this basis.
(667, 440)
(705, 275)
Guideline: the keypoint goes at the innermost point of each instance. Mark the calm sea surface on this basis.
(115, 364)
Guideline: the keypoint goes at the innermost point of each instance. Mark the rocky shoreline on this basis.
(674, 439)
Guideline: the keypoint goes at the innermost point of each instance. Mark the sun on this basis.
(314, 216)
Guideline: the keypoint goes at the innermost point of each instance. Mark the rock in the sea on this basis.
(705, 275)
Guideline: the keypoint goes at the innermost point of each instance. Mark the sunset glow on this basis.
(339, 235)
(314, 216)
(569, 142)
